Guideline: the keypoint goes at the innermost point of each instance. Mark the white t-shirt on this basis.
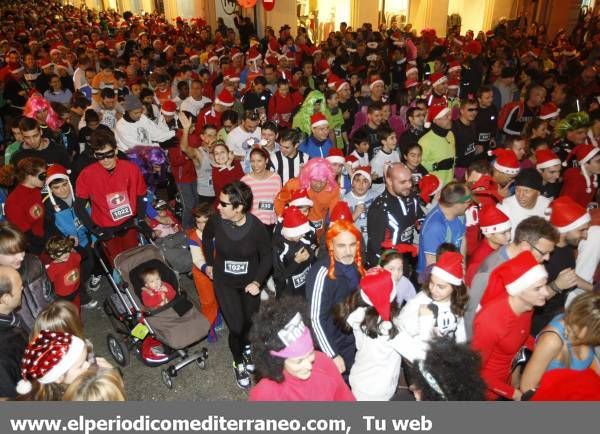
(240, 141)
(193, 106)
(516, 213)
(144, 132)
(381, 159)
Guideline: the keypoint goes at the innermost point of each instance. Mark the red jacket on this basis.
(65, 276)
(281, 108)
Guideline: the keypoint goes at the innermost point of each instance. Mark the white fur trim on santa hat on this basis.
(224, 104)
(527, 279)
(547, 164)
(444, 275)
(320, 123)
(379, 80)
(439, 115)
(297, 231)
(367, 300)
(302, 201)
(582, 220)
(494, 229)
(166, 113)
(439, 81)
(334, 158)
(507, 170)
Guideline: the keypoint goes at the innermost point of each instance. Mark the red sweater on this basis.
(498, 334)
(221, 177)
(24, 209)
(482, 251)
(324, 384)
(574, 186)
(65, 276)
(182, 167)
(154, 299)
(281, 108)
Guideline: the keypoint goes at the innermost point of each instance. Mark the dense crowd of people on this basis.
(384, 215)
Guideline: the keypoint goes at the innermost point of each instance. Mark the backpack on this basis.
(505, 111)
(176, 251)
(38, 291)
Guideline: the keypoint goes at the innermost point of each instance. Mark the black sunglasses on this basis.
(42, 176)
(223, 204)
(104, 155)
(472, 109)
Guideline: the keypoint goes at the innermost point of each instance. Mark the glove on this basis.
(103, 234)
(446, 164)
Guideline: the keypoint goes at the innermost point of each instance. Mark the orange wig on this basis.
(334, 230)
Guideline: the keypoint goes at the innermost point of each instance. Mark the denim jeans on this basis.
(189, 198)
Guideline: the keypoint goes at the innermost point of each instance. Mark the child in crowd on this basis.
(225, 169)
(155, 292)
(360, 143)
(293, 253)
(412, 155)
(64, 268)
(392, 259)
(386, 154)
(437, 310)
(164, 223)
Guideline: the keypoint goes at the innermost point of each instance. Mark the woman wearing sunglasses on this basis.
(116, 192)
(24, 207)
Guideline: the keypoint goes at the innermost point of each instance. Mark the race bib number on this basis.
(407, 235)
(119, 205)
(264, 205)
(299, 279)
(236, 267)
(470, 148)
(484, 137)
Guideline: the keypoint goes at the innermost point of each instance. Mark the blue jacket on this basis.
(316, 149)
(322, 295)
(63, 218)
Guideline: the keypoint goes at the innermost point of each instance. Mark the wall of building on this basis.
(472, 13)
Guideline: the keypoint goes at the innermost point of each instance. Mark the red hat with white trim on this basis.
(549, 111)
(254, 54)
(318, 119)
(412, 70)
(429, 185)
(352, 161)
(235, 52)
(375, 80)
(364, 171)
(453, 83)
(48, 357)
(449, 268)
(410, 83)
(231, 74)
(377, 289)
(212, 57)
(454, 66)
(168, 108)
(584, 153)
(295, 223)
(438, 78)
(339, 85)
(473, 48)
(300, 198)
(506, 161)
(225, 98)
(332, 79)
(492, 221)
(545, 158)
(523, 273)
(568, 385)
(567, 215)
(336, 155)
(54, 172)
(323, 66)
(45, 63)
(436, 112)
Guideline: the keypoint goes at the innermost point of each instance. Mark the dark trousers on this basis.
(237, 307)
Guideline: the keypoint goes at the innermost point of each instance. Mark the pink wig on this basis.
(317, 169)
(36, 103)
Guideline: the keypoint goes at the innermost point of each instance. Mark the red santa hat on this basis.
(506, 161)
(436, 112)
(336, 155)
(48, 357)
(231, 74)
(332, 79)
(295, 223)
(453, 83)
(364, 171)
(235, 52)
(323, 67)
(352, 161)
(514, 276)
(339, 85)
(341, 211)
(54, 172)
(429, 185)
(377, 289)
(317, 120)
(584, 153)
(567, 215)
(545, 158)
(412, 70)
(473, 48)
(168, 108)
(253, 54)
(375, 80)
(449, 268)
(410, 83)
(45, 63)
(568, 385)
(212, 57)
(300, 198)
(493, 221)
(549, 111)
(454, 66)
(225, 98)
(438, 78)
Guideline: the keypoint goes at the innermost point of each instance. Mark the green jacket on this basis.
(435, 149)
(302, 118)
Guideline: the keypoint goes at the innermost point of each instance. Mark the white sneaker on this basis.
(264, 295)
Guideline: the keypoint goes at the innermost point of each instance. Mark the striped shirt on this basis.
(264, 192)
(288, 168)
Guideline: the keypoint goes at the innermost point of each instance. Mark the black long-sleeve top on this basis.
(239, 255)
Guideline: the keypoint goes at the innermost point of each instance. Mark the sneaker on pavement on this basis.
(242, 377)
(248, 362)
(94, 283)
(92, 304)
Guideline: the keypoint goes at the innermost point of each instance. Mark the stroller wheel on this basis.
(201, 363)
(118, 350)
(166, 377)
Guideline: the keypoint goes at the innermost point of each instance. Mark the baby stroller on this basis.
(177, 325)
